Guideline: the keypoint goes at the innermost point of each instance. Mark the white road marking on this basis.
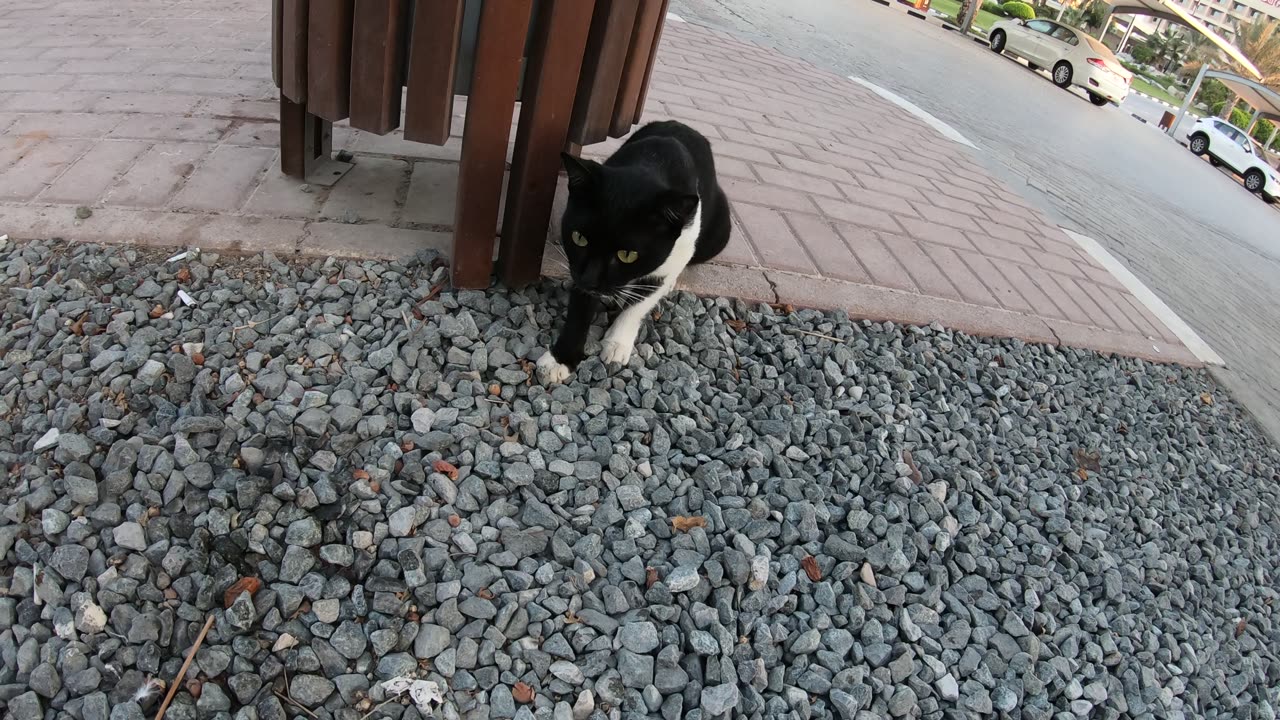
(1163, 312)
(943, 129)
(674, 17)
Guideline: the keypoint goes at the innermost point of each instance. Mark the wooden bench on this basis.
(579, 67)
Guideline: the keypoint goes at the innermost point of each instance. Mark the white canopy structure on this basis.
(1171, 12)
(1264, 101)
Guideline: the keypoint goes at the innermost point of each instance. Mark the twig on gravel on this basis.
(377, 707)
(814, 334)
(295, 703)
(173, 687)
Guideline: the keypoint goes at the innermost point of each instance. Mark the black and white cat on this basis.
(631, 226)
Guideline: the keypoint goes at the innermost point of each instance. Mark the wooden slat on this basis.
(635, 71)
(550, 80)
(606, 52)
(329, 25)
(377, 65)
(504, 25)
(293, 50)
(304, 139)
(433, 60)
(648, 68)
(277, 38)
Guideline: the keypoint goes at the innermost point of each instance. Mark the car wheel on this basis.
(997, 41)
(1199, 144)
(1098, 100)
(1254, 180)
(1062, 74)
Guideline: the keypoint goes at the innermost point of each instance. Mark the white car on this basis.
(1072, 57)
(1225, 144)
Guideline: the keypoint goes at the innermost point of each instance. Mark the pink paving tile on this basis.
(969, 285)
(858, 214)
(1031, 291)
(768, 195)
(750, 137)
(993, 247)
(815, 168)
(85, 182)
(879, 200)
(742, 151)
(224, 181)
(797, 181)
(38, 167)
(828, 249)
(928, 278)
(157, 174)
(933, 213)
(1063, 296)
(883, 267)
(1001, 288)
(772, 239)
(934, 233)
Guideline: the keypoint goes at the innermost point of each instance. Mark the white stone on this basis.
(47, 440)
(422, 419)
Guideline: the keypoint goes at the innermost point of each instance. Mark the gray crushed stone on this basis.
(894, 521)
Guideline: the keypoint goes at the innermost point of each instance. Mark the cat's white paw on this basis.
(616, 352)
(552, 370)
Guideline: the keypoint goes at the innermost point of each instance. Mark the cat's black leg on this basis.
(570, 347)
(716, 226)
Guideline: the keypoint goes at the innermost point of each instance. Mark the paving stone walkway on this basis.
(160, 118)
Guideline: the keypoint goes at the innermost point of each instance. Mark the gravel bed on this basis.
(768, 514)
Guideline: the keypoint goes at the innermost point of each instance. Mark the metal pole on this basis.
(1253, 121)
(1186, 101)
(1127, 32)
(970, 12)
(1272, 138)
(1102, 36)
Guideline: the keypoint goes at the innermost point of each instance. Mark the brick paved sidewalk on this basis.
(160, 117)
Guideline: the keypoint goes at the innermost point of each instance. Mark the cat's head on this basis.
(621, 223)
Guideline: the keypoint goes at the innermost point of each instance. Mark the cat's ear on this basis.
(677, 208)
(582, 173)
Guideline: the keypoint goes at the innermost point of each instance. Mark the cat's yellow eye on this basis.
(578, 239)
(628, 256)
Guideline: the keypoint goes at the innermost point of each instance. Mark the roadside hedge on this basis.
(1019, 10)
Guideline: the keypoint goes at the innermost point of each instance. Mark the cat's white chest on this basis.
(683, 249)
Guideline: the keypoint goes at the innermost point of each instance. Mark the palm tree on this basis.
(1259, 42)
(1169, 47)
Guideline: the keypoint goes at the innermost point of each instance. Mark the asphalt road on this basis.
(1209, 248)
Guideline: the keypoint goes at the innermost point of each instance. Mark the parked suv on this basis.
(1226, 144)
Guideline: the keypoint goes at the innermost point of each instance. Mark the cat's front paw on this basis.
(616, 352)
(551, 370)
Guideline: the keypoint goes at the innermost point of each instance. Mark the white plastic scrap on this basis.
(185, 298)
(181, 256)
(424, 693)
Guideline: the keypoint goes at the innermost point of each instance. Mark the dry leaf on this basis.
(916, 477)
(446, 468)
(495, 389)
(250, 584)
(737, 325)
(454, 521)
(1082, 473)
(1241, 624)
(77, 327)
(682, 523)
(184, 275)
(195, 686)
(360, 474)
(156, 312)
(571, 619)
(650, 577)
(810, 565)
(197, 358)
(523, 693)
(1088, 460)
(1206, 398)
(485, 593)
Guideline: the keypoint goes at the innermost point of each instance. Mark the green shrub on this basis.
(1262, 131)
(1143, 54)
(1020, 10)
(1239, 118)
(994, 8)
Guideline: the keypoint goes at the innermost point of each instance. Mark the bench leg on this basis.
(305, 139)
(551, 80)
(499, 45)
